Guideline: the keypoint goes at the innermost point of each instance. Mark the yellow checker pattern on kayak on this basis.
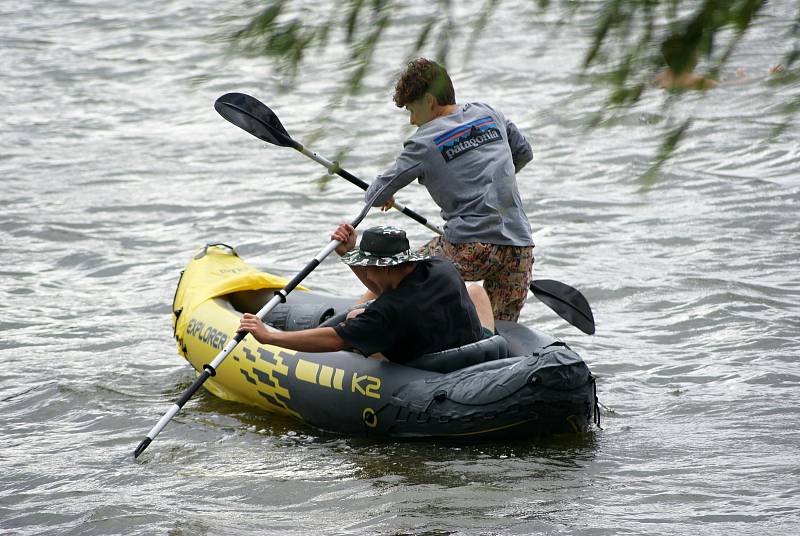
(317, 374)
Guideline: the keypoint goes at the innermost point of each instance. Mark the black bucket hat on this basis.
(382, 246)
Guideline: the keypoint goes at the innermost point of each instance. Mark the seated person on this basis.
(422, 305)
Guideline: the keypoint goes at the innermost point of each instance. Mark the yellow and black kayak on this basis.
(519, 383)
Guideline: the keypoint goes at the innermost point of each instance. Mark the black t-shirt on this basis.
(430, 310)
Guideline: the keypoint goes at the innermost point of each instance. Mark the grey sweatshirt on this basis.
(467, 160)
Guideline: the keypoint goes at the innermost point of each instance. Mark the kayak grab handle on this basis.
(203, 252)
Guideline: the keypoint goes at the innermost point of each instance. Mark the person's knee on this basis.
(475, 289)
(478, 294)
(482, 304)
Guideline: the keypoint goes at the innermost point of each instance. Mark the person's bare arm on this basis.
(308, 340)
(346, 234)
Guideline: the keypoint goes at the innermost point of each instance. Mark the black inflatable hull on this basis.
(545, 388)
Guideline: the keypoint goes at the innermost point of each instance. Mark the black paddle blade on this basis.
(253, 116)
(567, 302)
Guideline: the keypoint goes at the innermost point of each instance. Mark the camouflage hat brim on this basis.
(357, 257)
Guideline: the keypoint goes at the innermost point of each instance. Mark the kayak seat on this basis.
(495, 347)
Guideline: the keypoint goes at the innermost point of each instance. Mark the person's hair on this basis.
(424, 76)
(679, 56)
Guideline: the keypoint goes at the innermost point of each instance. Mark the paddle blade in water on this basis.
(253, 116)
(567, 302)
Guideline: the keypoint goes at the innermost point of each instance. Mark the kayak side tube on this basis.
(545, 389)
(549, 391)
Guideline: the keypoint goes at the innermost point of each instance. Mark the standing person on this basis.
(466, 156)
(421, 307)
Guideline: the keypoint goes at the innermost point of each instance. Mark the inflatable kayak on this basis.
(520, 383)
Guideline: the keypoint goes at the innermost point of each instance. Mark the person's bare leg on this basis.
(482, 305)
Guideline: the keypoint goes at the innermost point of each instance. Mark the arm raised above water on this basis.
(408, 166)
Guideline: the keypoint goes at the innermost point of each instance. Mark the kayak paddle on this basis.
(250, 114)
(211, 368)
(255, 117)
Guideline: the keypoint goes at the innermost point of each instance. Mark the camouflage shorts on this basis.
(506, 271)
